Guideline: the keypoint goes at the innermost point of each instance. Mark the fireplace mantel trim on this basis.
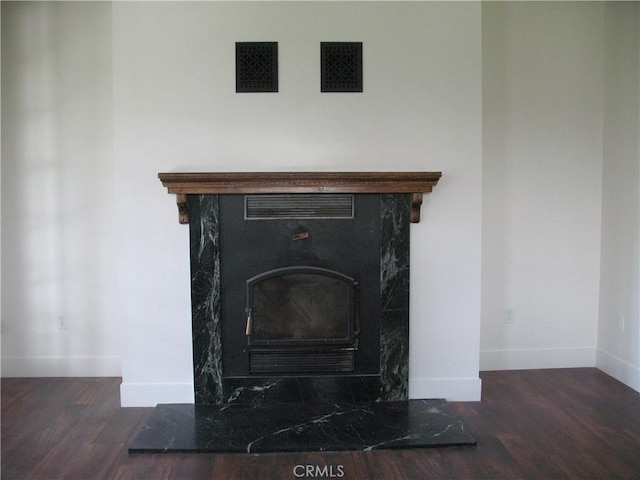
(184, 183)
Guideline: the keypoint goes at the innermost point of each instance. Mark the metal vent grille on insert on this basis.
(342, 360)
(326, 206)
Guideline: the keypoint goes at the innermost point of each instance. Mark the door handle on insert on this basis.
(248, 328)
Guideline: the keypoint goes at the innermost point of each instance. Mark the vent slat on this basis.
(303, 206)
(301, 362)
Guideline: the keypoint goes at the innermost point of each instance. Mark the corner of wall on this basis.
(618, 369)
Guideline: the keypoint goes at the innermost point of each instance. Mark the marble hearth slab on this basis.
(300, 427)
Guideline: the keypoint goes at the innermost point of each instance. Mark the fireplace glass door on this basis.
(301, 318)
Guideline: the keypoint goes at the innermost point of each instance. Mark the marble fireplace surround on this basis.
(197, 198)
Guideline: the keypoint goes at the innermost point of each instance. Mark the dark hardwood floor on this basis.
(534, 424)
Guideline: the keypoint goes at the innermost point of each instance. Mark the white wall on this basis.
(542, 174)
(619, 324)
(561, 207)
(175, 109)
(58, 237)
(99, 98)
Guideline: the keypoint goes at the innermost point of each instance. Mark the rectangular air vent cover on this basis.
(304, 206)
(342, 360)
(256, 67)
(341, 67)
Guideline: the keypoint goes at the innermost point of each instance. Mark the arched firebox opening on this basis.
(301, 319)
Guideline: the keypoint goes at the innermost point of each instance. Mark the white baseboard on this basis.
(453, 389)
(61, 366)
(151, 394)
(618, 369)
(528, 359)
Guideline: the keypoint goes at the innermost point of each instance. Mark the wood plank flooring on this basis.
(533, 424)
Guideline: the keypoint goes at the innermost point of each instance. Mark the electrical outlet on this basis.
(62, 323)
(621, 323)
(508, 316)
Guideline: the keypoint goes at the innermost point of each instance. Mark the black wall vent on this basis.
(302, 206)
(256, 67)
(341, 67)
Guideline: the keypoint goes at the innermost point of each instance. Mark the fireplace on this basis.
(300, 316)
(300, 284)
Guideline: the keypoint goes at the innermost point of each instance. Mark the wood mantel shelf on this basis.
(414, 183)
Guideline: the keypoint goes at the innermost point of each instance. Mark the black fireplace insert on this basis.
(300, 285)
